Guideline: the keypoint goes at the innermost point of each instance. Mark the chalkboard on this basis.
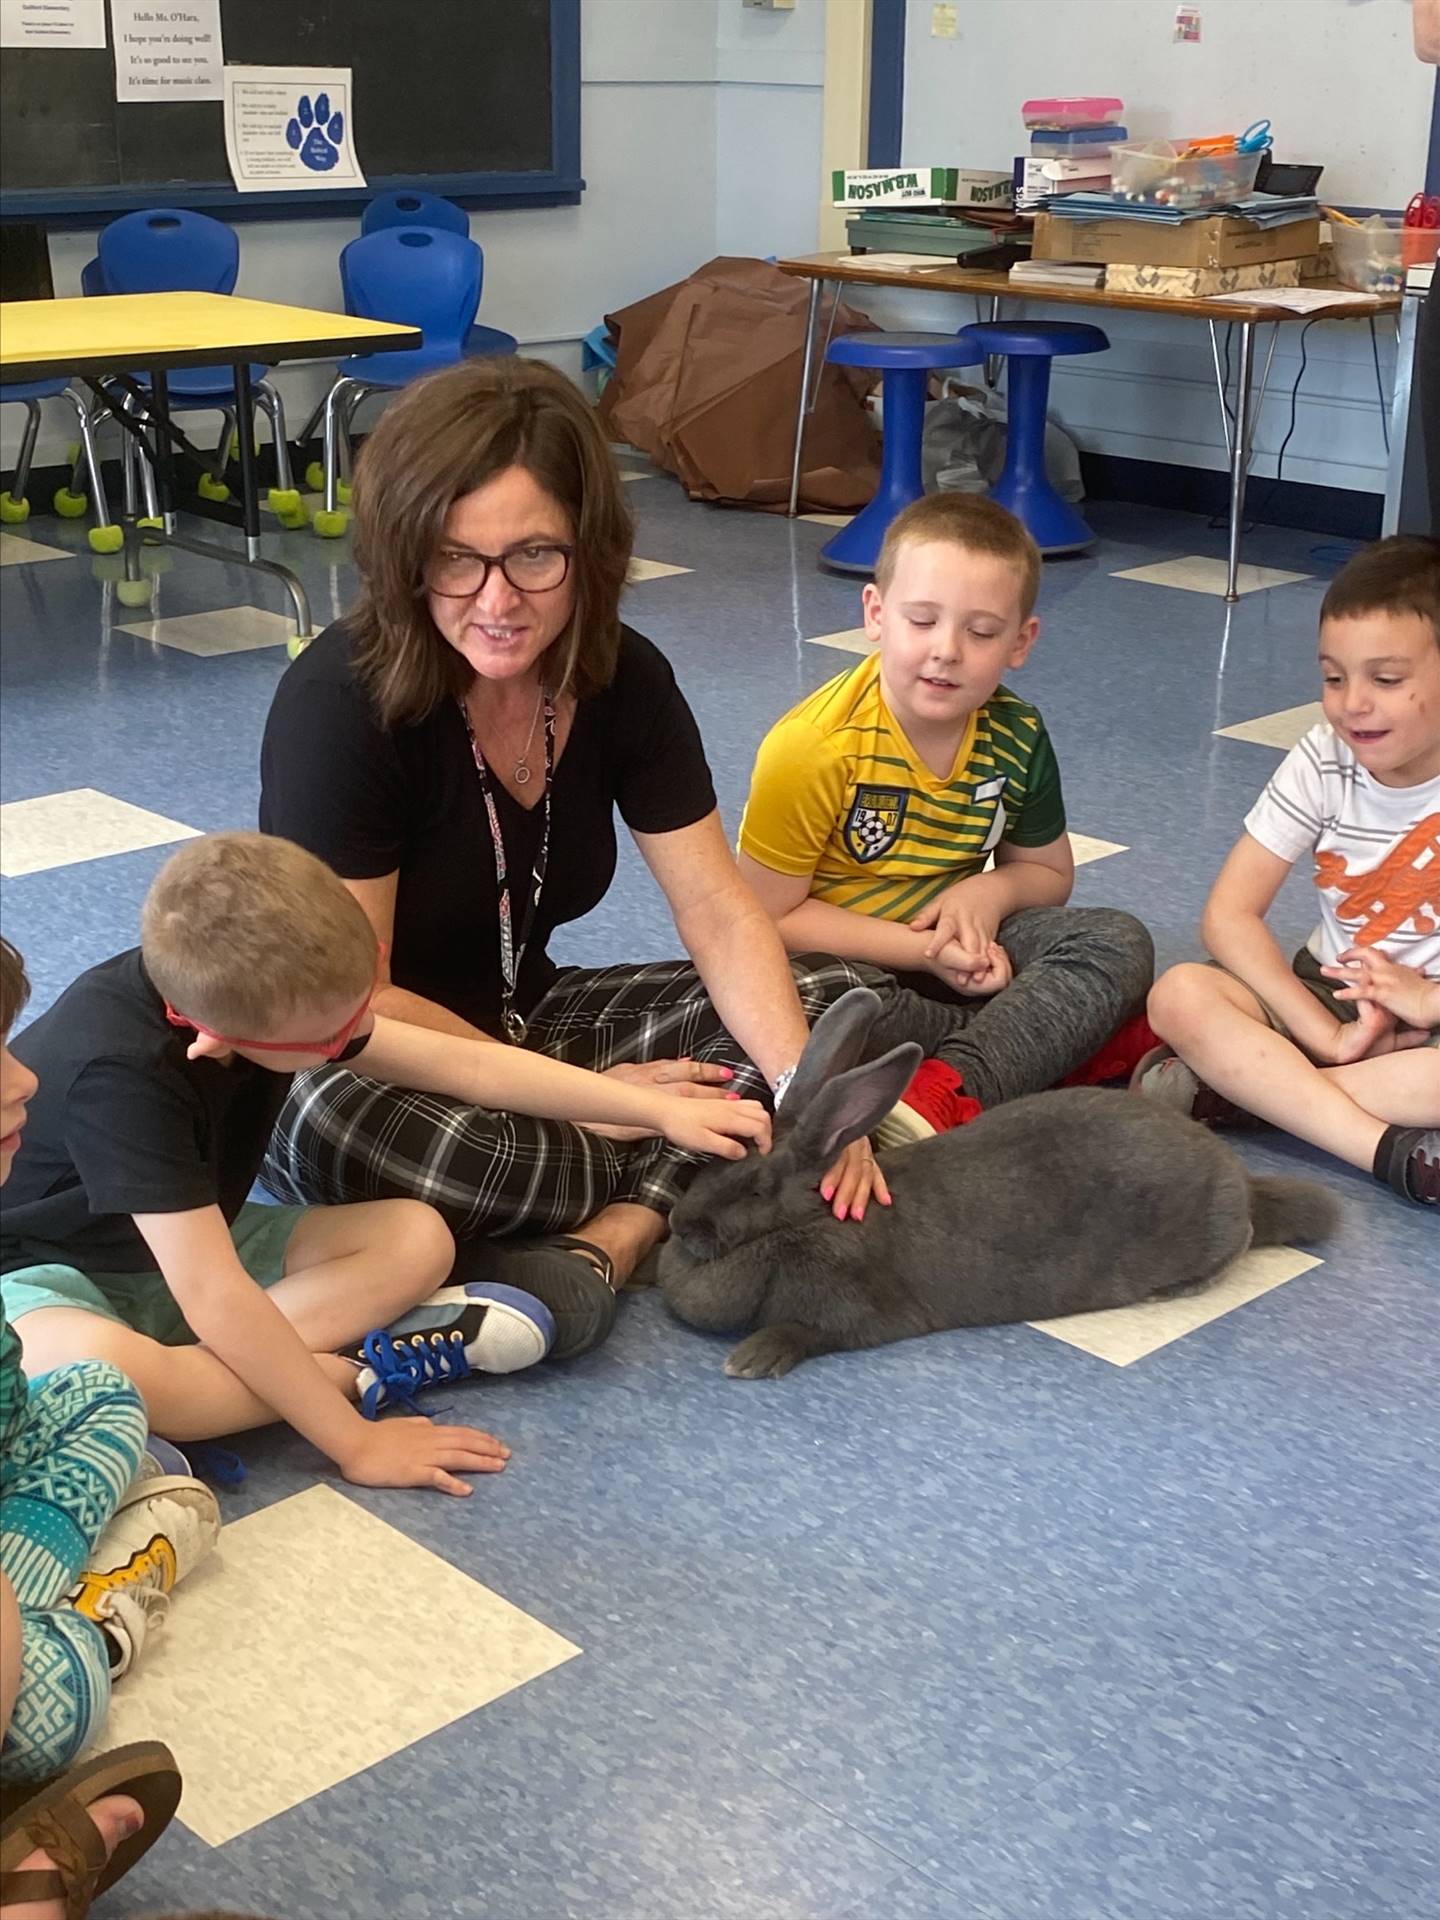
(475, 98)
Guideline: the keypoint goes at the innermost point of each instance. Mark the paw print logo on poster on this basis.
(315, 133)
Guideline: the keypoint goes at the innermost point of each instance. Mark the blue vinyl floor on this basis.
(981, 1627)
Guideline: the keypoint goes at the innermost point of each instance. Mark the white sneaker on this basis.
(161, 1531)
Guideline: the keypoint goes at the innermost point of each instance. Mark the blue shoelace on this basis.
(405, 1368)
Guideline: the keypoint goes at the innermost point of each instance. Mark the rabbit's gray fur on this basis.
(1059, 1203)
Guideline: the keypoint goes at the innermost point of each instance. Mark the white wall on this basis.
(769, 99)
(1340, 82)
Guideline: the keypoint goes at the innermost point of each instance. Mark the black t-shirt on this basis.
(123, 1123)
(372, 801)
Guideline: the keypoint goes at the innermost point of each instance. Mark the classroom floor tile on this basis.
(826, 519)
(1123, 1335)
(206, 635)
(357, 1641)
(852, 640)
(18, 551)
(59, 829)
(652, 570)
(1199, 574)
(1088, 849)
(1281, 729)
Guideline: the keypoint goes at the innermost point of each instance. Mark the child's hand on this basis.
(957, 919)
(992, 974)
(853, 1181)
(1400, 990)
(414, 1452)
(689, 1079)
(721, 1127)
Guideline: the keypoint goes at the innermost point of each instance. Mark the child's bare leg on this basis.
(1402, 1089)
(188, 1392)
(1219, 1029)
(348, 1269)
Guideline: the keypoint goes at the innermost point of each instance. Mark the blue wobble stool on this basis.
(1031, 345)
(906, 360)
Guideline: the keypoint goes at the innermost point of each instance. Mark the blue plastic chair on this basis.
(1031, 345)
(172, 250)
(412, 207)
(418, 277)
(905, 361)
(68, 502)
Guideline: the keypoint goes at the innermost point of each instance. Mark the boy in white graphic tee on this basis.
(1342, 1048)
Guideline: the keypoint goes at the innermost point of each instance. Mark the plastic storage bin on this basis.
(1074, 143)
(1156, 174)
(1373, 257)
(1083, 110)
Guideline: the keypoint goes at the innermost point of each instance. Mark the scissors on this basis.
(1255, 139)
(1423, 210)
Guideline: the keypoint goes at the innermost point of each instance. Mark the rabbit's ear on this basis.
(837, 1041)
(850, 1105)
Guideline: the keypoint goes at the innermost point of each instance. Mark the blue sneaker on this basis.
(479, 1328)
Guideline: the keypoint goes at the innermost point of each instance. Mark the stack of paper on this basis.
(1263, 209)
(1056, 273)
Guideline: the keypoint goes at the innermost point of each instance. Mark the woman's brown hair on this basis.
(443, 438)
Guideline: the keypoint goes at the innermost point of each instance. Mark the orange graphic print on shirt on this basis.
(1404, 889)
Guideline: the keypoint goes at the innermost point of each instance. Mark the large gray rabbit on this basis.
(1059, 1203)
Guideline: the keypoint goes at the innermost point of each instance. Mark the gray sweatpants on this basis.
(1080, 972)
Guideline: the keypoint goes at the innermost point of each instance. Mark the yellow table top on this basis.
(113, 332)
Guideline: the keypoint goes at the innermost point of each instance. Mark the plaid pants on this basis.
(342, 1137)
(63, 1476)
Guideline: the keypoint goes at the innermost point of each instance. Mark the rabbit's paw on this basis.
(316, 133)
(768, 1354)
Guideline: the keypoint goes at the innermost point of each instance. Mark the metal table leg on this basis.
(1240, 452)
(804, 406)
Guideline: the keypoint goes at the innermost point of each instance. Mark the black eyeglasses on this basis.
(458, 573)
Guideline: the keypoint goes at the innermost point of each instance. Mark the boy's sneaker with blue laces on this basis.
(477, 1328)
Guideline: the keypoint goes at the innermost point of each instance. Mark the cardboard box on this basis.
(922, 186)
(1178, 283)
(1223, 240)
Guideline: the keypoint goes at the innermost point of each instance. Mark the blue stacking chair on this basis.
(68, 501)
(418, 277)
(415, 208)
(1031, 345)
(905, 362)
(171, 250)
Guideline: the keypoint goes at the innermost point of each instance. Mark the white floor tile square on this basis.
(627, 474)
(17, 551)
(206, 635)
(1281, 729)
(315, 1642)
(1198, 574)
(1126, 1334)
(827, 519)
(59, 829)
(853, 640)
(653, 570)
(1087, 848)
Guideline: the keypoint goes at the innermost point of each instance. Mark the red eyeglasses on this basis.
(330, 1049)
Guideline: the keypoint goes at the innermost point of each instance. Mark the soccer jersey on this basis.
(840, 795)
(1376, 850)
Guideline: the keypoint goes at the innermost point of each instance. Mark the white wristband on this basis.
(782, 1085)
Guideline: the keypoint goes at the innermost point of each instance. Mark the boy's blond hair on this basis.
(965, 520)
(243, 931)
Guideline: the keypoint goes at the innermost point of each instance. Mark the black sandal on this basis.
(55, 1819)
(573, 1278)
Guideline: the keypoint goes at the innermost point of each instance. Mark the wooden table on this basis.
(842, 269)
(103, 339)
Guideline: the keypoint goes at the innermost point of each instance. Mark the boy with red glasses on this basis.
(128, 1234)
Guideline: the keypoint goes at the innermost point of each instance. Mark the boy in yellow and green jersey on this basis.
(909, 814)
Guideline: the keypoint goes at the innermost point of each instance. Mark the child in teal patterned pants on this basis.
(69, 1448)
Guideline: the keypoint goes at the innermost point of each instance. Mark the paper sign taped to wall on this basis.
(944, 22)
(290, 128)
(167, 52)
(52, 23)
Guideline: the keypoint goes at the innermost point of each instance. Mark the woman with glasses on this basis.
(458, 749)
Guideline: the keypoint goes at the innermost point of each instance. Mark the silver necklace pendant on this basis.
(522, 775)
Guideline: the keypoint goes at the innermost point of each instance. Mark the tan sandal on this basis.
(55, 1819)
